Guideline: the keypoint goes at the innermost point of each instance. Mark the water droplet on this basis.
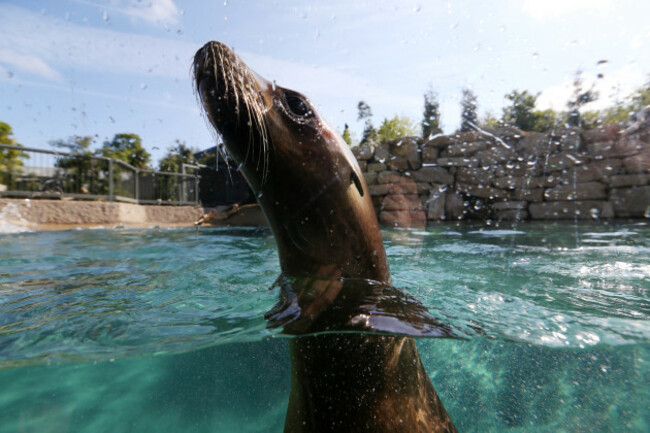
(225, 18)
(143, 86)
(260, 195)
(105, 16)
(502, 28)
(535, 56)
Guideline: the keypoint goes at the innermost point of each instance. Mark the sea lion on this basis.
(335, 276)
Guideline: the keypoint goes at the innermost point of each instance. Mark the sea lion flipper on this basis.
(306, 306)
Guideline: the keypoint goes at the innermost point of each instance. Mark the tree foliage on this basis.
(346, 135)
(431, 115)
(581, 96)
(396, 127)
(469, 109)
(176, 156)
(522, 113)
(127, 148)
(10, 159)
(369, 131)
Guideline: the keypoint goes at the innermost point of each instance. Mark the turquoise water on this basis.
(162, 329)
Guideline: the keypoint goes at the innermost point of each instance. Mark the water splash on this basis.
(12, 221)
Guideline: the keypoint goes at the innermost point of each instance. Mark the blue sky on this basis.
(89, 67)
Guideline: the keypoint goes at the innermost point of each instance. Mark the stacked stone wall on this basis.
(508, 174)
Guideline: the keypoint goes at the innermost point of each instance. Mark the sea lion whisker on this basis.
(324, 231)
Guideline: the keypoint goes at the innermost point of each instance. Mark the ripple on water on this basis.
(93, 294)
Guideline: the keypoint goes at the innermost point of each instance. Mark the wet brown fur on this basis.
(315, 199)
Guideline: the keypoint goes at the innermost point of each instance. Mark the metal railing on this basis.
(37, 173)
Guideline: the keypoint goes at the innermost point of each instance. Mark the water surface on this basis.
(163, 329)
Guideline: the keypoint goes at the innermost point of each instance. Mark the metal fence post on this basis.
(136, 196)
(111, 190)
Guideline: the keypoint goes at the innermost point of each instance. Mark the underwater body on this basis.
(164, 330)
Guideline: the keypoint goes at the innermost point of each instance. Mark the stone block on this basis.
(526, 182)
(639, 163)
(391, 177)
(457, 162)
(463, 149)
(495, 155)
(404, 219)
(454, 206)
(376, 166)
(631, 202)
(381, 155)
(600, 149)
(439, 142)
(433, 175)
(563, 160)
(528, 194)
(363, 165)
(571, 210)
(510, 205)
(519, 168)
(430, 154)
(363, 152)
(578, 191)
(570, 139)
(626, 146)
(405, 153)
(435, 204)
(624, 180)
(401, 202)
(481, 191)
(536, 143)
(465, 137)
(423, 187)
(600, 134)
(379, 190)
(371, 177)
(475, 176)
(511, 215)
(594, 171)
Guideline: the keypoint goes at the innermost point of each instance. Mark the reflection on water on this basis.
(163, 330)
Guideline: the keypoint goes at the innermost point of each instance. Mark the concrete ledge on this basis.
(62, 214)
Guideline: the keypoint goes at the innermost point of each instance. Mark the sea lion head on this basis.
(307, 181)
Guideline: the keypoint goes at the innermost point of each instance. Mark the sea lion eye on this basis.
(297, 105)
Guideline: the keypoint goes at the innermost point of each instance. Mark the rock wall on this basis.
(512, 175)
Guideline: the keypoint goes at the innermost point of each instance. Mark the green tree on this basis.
(10, 159)
(396, 127)
(77, 144)
(127, 148)
(469, 108)
(581, 96)
(176, 156)
(431, 114)
(369, 131)
(346, 135)
(79, 170)
(521, 111)
(490, 121)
